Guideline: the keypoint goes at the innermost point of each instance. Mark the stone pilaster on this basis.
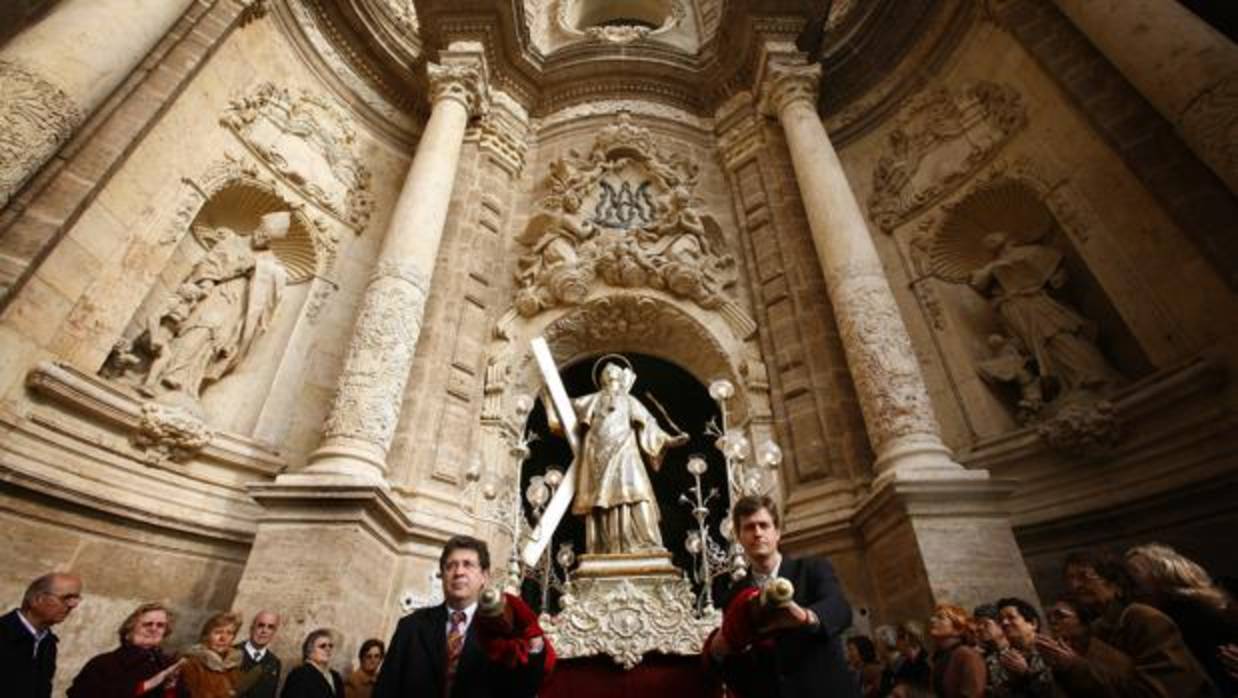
(359, 428)
(57, 71)
(1185, 68)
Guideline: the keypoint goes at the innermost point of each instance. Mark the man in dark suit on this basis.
(256, 652)
(27, 644)
(439, 651)
(796, 650)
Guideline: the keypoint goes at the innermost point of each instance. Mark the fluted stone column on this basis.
(893, 397)
(932, 529)
(1184, 67)
(359, 428)
(63, 66)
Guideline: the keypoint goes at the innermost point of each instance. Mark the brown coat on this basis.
(958, 672)
(1136, 652)
(203, 682)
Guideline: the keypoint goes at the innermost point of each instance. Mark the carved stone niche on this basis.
(619, 21)
(217, 296)
(624, 216)
(1054, 348)
(939, 140)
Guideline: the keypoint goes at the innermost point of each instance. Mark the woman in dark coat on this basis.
(1205, 613)
(138, 667)
(315, 678)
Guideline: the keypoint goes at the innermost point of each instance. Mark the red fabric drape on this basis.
(655, 677)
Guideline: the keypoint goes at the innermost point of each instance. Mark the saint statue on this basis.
(210, 323)
(1059, 339)
(613, 491)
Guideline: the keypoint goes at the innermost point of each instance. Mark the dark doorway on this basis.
(690, 409)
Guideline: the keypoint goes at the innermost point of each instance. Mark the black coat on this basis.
(416, 663)
(307, 682)
(805, 662)
(117, 674)
(24, 674)
(268, 680)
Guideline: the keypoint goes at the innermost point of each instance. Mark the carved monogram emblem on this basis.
(623, 216)
(628, 206)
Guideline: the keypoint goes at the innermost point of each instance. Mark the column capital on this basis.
(461, 77)
(784, 84)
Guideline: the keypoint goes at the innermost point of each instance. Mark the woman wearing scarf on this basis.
(213, 669)
(138, 667)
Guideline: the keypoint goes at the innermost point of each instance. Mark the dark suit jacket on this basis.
(804, 662)
(416, 663)
(307, 682)
(268, 680)
(25, 675)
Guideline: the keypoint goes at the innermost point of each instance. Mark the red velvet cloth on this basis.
(656, 676)
(505, 637)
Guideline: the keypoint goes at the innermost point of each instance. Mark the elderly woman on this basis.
(360, 682)
(214, 666)
(138, 667)
(862, 658)
(958, 667)
(315, 678)
(1205, 614)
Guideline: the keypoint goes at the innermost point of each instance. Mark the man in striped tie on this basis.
(436, 652)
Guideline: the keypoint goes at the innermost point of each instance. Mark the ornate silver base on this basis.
(624, 606)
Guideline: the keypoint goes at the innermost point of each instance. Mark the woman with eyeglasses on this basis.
(315, 678)
(360, 682)
(138, 667)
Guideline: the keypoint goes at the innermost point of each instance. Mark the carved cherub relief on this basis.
(623, 216)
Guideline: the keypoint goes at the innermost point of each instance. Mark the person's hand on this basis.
(1055, 652)
(1014, 662)
(1229, 659)
(785, 617)
(168, 674)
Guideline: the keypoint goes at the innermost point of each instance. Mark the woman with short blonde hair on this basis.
(213, 669)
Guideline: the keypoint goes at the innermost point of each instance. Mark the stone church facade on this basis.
(271, 269)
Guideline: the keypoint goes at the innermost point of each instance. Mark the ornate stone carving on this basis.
(209, 324)
(371, 385)
(571, 19)
(623, 216)
(1088, 428)
(170, 433)
(786, 83)
(879, 353)
(920, 251)
(463, 82)
(403, 14)
(310, 143)
(638, 107)
(995, 240)
(939, 140)
(36, 118)
(626, 618)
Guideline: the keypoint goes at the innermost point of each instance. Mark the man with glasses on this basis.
(439, 651)
(255, 652)
(27, 644)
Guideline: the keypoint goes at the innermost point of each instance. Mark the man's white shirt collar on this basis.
(255, 653)
(468, 616)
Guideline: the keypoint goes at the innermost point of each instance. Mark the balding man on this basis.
(27, 645)
(256, 652)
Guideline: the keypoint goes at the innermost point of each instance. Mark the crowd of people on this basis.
(220, 666)
(1150, 623)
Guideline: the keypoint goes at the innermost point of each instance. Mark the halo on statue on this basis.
(599, 363)
(1006, 206)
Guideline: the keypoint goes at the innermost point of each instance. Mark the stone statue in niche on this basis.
(613, 490)
(1018, 282)
(996, 240)
(209, 324)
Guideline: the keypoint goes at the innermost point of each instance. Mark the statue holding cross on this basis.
(614, 439)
